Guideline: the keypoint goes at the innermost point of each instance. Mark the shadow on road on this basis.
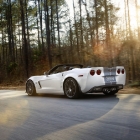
(84, 96)
(47, 115)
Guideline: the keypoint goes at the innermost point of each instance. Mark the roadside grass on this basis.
(131, 88)
(135, 84)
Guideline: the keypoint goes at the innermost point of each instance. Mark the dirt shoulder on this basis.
(130, 90)
(10, 87)
(126, 90)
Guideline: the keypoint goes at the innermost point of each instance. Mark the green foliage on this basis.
(84, 38)
(135, 84)
(36, 55)
(11, 67)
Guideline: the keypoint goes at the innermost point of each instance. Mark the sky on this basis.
(121, 13)
(116, 2)
(70, 4)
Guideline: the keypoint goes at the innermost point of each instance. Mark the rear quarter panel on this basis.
(120, 78)
(94, 80)
(80, 75)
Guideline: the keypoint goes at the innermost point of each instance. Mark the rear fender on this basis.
(81, 81)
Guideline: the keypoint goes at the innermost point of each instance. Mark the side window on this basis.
(58, 70)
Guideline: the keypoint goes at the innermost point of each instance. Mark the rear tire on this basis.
(30, 88)
(71, 88)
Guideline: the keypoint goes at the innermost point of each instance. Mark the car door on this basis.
(52, 83)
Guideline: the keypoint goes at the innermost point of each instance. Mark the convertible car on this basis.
(74, 80)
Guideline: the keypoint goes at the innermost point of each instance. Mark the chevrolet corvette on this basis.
(74, 80)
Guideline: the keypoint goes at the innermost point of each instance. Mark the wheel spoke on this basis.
(70, 88)
(30, 88)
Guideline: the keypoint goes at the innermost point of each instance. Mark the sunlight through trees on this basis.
(38, 34)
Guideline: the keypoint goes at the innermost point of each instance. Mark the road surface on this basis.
(54, 117)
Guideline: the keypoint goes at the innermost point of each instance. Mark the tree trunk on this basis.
(27, 31)
(88, 19)
(41, 26)
(137, 17)
(126, 23)
(38, 34)
(48, 32)
(81, 32)
(58, 31)
(71, 44)
(76, 33)
(25, 44)
(108, 33)
(129, 26)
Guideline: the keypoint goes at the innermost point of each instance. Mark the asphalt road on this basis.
(54, 117)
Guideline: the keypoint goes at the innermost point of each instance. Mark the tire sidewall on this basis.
(76, 95)
(32, 86)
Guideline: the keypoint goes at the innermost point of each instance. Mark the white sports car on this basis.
(74, 80)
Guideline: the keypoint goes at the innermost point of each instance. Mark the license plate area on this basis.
(110, 79)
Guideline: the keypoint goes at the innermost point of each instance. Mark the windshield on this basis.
(62, 68)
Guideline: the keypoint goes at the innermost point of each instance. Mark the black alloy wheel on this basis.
(30, 88)
(71, 88)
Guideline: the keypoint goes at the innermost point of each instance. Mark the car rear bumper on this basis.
(101, 88)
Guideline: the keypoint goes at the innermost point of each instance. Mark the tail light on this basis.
(122, 71)
(92, 72)
(98, 72)
(118, 71)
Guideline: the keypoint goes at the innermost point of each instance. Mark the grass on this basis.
(135, 84)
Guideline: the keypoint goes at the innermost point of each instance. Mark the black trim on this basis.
(39, 84)
(94, 89)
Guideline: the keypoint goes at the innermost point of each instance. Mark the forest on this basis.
(36, 35)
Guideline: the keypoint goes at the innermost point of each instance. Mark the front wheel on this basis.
(71, 88)
(30, 88)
